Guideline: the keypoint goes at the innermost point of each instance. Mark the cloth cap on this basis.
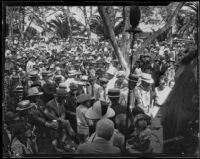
(100, 110)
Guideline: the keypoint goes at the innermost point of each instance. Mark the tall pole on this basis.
(134, 21)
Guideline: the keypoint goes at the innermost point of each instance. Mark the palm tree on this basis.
(187, 19)
(30, 33)
(97, 25)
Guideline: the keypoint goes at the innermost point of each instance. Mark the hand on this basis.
(53, 125)
(72, 133)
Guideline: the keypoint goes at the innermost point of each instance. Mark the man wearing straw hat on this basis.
(143, 95)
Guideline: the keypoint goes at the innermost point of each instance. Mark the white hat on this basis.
(95, 112)
(147, 78)
(111, 71)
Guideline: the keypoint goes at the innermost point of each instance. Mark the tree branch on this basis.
(157, 33)
(112, 38)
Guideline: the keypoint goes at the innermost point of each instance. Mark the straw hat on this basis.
(100, 110)
(34, 92)
(147, 78)
(24, 105)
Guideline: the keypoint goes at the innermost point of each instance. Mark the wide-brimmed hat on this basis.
(147, 78)
(34, 92)
(33, 74)
(15, 78)
(100, 110)
(45, 73)
(83, 98)
(24, 105)
(114, 92)
(61, 92)
(62, 86)
(73, 73)
(19, 89)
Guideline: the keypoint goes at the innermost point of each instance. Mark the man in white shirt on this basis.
(161, 94)
(30, 64)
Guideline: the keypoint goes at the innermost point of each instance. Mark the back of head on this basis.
(105, 128)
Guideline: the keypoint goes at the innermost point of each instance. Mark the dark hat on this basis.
(11, 116)
(25, 104)
(61, 92)
(83, 98)
(33, 74)
(15, 78)
(49, 88)
(133, 78)
(45, 73)
(73, 86)
(120, 121)
(141, 117)
(114, 92)
(58, 78)
(36, 84)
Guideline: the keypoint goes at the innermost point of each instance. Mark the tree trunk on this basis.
(125, 42)
(87, 24)
(112, 39)
(67, 15)
(157, 33)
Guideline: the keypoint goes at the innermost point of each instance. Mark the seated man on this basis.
(101, 145)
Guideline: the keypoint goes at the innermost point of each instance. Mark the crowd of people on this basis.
(63, 98)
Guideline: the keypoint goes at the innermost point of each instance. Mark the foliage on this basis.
(117, 22)
(30, 33)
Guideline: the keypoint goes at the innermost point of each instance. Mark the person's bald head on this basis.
(105, 128)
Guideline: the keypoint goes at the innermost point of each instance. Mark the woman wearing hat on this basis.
(82, 122)
(140, 140)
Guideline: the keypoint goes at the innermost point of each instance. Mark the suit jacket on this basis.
(99, 146)
(54, 110)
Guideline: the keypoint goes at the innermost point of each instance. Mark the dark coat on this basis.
(99, 146)
(70, 111)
